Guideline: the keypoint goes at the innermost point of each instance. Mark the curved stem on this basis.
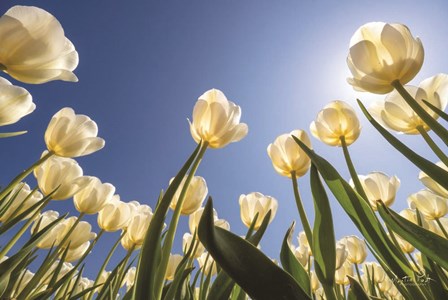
(359, 275)
(301, 209)
(433, 145)
(423, 114)
(22, 175)
(169, 239)
(352, 170)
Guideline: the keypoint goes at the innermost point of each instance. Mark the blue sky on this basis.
(144, 63)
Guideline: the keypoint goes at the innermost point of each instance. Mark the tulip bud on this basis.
(15, 102)
(429, 204)
(129, 278)
(375, 270)
(34, 47)
(379, 186)
(216, 120)
(63, 174)
(381, 53)
(194, 197)
(76, 253)
(356, 249)
(287, 156)
(186, 244)
(138, 226)
(193, 221)
(115, 215)
(173, 262)
(51, 237)
(432, 184)
(23, 200)
(70, 135)
(94, 196)
(394, 113)
(341, 255)
(257, 203)
(207, 264)
(81, 234)
(336, 120)
(340, 276)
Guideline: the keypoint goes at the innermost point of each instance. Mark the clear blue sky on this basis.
(144, 63)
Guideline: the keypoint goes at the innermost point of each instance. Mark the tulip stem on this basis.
(22, 175)
(436, 149)
(442, 228)
(415, 263)
(106, 261)
(423, 114)
(352, 170)
(169, 239)
(301, 209)
(358, 274)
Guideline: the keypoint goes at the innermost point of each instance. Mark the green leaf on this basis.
(324, 244)
(361, 214)
(429, 243)
(292, 265)
(432, 279)
(435, 109)
(432, 170)
(249, 267)
(11, 134)
(147, 265)
(356, 292)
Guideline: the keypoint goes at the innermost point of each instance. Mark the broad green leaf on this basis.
(361, 214)
(248, 266)
(356, 292)
(11, 134)
(324, 244)
(432, 170)
(292, 265)
(432, 279)
(429, 243)
(147, 265)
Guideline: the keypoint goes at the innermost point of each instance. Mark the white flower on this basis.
(15, 102)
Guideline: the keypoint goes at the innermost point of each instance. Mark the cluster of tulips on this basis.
(410, 247)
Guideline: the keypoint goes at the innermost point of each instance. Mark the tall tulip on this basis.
(94, 196)
(287, 156)
(254, 203)
(430, 205)
(79, 235)
(72, 135)
(52, 236)
(207, 264)
(15, 102)
(115, 215)
(194, 197)
(138, 225)
(34, 48)
(216, 120)
(381, 53)
(173, 262)
(432, 184)
(356, 249)
(335, 121)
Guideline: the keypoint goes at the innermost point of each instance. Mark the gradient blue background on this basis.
(143, 64)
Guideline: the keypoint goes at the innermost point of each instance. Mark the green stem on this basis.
(359, 275)
(301, 209)
(351, 168)
(106, 261)
(415, 263)
(169, 239)
(433, 145)
(442, 228)
(22, 175)
(423, 114)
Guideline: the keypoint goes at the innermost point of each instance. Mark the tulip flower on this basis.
(76, 253)
(129, 278)
(115, 215)
(429, 204)
(411, 215)
(287, 156)
(381, 53)
(375, 270)
(341, 255)
(187, 239)
(207, 264)
(173, 262)
(314, 281)
(216, 120)
(356, 249)
(127, 244)
(193, 221)
(65, 268)
(63, 174)
(379, 186)
(432, 184)
(256, 203)
(71, 135)
(15, 103)
(81, 234)
(394, 113)
(302, 253)
(405, 246)
(93, 198)
(138, 226)
(23, 200)
(340, 276)
(335, 121)
(195, 195)
(34, 48)
(51, 237)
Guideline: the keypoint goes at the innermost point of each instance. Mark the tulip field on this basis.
(396, 255)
